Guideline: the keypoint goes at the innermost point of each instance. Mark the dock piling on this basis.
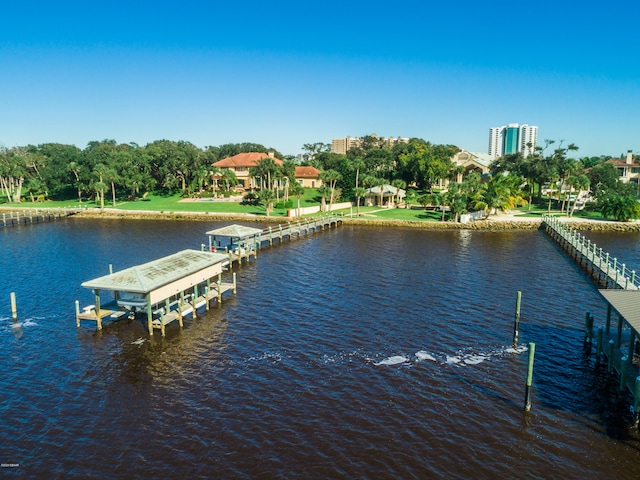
(516, 323)
(610, 356)
(527, 392)
(623, 368)
(14, 309)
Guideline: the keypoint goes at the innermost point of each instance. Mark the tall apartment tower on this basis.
(512, 138)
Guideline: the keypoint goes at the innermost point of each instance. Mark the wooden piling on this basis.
(527, 392)
(610, 359)
(623, 370)
(77, 314)
(14, 308)
(599, 344)
(516, 323)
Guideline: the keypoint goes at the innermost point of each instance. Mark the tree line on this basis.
(59, 171)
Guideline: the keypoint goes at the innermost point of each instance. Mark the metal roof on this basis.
(626, 303)
(150, 276)
(235, 231)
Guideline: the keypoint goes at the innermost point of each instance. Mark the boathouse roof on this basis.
(235, 231)
(179, 267)
(625, 302)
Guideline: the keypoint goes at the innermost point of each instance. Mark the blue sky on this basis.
(284, 73)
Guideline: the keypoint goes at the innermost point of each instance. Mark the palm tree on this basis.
(296, 190)
(357, 164)
(502, 192)
(359, 192)
(330, 177)
(266, 197)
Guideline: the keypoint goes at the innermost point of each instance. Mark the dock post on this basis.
(281, 235)
(619, 332)
(206, 294)
(516, 323)
(77, 314)
(14, 309)
(527, 392)
(636, 399)
(588, 325)
(4, 219)
(608, 328)
(599, 344)
(623, 370)
(610, 359)
(180, 305)
(195, 302)
(270, 236)
(219, 298)
(235, 289)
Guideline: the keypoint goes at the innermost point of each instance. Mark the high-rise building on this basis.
(512, 138)
(342, 145)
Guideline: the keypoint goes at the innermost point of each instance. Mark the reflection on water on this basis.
(356, 352)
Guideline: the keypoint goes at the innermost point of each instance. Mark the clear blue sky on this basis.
(286, 73)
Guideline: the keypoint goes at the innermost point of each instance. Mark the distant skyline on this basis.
(284, 73)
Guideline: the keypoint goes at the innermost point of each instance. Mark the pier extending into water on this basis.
(12, 218)
(619, 346)
(602, 267)
(240, 242)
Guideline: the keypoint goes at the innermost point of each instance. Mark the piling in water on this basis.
(527, 392)
(516, 323)
(14, 310)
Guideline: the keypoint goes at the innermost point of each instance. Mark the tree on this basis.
(330, 178)
(359, 192)
(502, 192)
(296, 190)
(13, 172)
(621, 207)
(266, 198)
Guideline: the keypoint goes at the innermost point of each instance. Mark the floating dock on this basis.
(165, 290)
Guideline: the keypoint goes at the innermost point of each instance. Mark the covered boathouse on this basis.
(165, 289)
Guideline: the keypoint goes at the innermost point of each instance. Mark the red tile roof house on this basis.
(241, 163)
(308, 177)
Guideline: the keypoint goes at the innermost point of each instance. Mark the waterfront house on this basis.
(308, 177)
(242, 162)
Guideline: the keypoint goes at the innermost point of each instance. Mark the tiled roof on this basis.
(307, 172)
(249, 159)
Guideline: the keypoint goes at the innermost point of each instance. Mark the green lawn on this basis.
(173, 204)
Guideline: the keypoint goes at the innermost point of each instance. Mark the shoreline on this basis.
(493, 223)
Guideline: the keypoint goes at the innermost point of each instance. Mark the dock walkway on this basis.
(618, 344)
(15, 217)
(280, 233)
(607, 271)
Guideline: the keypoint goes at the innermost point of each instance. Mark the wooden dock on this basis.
(618, 344)
(11, 218)
(607, 271)
(279, 233)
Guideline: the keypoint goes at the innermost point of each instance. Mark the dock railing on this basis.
(615, 272)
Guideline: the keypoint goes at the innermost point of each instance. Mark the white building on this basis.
(512, 138)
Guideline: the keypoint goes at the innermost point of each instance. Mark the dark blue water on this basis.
(358, 352)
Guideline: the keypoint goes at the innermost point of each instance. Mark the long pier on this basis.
(279, 233)
(603, 268)
(619, 346)
(34, 215)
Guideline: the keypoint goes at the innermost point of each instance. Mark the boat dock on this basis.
(240, 243)
(15, 217)
(606, 270)
(619, 344)
(165, 290)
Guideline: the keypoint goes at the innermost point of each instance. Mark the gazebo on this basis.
(234, 237)
(384, 196)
